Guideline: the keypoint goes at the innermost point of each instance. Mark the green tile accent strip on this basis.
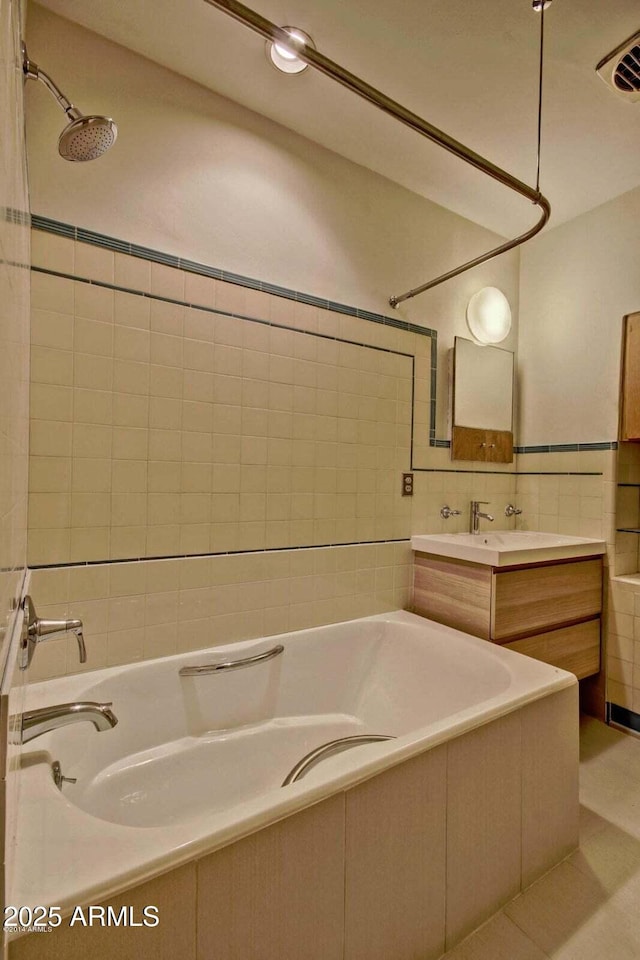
(191, 266)
(156, 256)
(568, 447)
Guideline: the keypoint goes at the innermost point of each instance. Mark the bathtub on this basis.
(197, 760)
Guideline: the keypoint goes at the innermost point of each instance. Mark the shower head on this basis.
(87, 138)
(84, 138)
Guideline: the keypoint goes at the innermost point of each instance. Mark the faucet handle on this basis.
(36, 629)
(446, 512)
(511, 511)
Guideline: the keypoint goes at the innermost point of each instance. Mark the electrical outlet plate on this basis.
(407, 484)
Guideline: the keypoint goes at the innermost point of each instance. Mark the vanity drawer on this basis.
(575, 648)
(533, 599)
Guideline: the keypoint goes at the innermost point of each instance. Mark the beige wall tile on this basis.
(93, 302)
(131, 310)
(52, 252)
(50, 329)
(132, 272)
(94, 263)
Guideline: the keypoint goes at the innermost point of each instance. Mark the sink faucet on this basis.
(476, 515)
(36, 629)
(34, 723)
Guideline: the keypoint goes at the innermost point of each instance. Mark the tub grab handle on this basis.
(329, 750)
(231, 664)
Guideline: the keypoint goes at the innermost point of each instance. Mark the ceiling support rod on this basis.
(329, 68)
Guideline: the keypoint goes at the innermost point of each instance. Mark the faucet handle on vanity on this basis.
(36, 629)
(511, 511)
(446, 512)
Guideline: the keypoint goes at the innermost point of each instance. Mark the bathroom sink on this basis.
(507, 547)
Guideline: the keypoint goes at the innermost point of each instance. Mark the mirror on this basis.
(482, 402)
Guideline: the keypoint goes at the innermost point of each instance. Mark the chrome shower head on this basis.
(87, 138)
(84, 138)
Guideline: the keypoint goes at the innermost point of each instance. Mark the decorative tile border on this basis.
(221, 553)
(191, 266)
(568, 447)
(72, 232)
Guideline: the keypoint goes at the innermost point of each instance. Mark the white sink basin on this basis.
(507, 547)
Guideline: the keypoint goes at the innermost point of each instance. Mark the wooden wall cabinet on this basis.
(549, 611)
(630, 420)
(487, 446)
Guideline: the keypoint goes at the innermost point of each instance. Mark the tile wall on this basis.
(140, 610)
(14, 403)
(250, 448)
(159, 429)
(577, 497)
(623, 654)
(14, 319)
(570, 493)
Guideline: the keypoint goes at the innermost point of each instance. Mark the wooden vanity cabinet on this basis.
(549, 611)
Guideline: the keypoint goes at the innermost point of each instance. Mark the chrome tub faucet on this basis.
(475, 515)
(36, 629)
(34, 723)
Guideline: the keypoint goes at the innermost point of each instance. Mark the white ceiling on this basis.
(468, 67)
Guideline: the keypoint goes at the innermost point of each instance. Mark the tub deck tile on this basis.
(261, 897)
(483, 824)
(395, 862)
(550, 759)
(174, 894)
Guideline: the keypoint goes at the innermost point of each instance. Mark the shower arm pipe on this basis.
(323, 64)
(32, 71)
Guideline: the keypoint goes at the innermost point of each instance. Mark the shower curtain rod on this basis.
(314, 58)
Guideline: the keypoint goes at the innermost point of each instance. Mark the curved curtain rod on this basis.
(314, 58)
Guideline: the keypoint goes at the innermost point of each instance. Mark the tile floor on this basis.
(586, 908)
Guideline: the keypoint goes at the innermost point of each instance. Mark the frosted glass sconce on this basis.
(489, 315)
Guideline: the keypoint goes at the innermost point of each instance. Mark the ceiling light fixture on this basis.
(285, 56)
(539, 5)
(489, 315)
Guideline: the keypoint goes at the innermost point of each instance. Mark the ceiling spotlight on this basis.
(539, 5)
(284, 56)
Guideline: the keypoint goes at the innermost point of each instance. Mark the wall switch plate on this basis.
(407, 484)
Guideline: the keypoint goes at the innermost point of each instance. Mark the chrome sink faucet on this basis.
(36, 629)
(35, 723)
(475, 515)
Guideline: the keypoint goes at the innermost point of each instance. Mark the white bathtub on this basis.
(197, 762)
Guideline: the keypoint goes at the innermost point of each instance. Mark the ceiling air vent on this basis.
(620, 69)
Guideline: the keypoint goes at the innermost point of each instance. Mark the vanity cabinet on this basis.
(550, 611)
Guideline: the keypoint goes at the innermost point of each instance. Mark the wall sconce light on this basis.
(284, 56)
(489, 315)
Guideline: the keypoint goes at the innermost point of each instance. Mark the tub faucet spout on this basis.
(476, 515)
(34, 723)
